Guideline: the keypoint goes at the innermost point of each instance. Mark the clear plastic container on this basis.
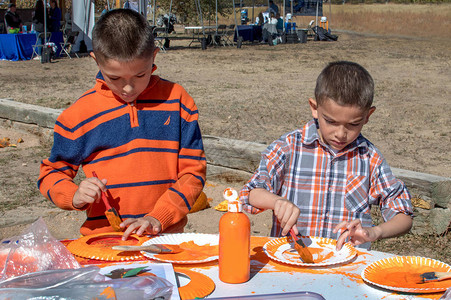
(279, 296)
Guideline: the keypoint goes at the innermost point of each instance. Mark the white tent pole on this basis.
(236, 22)
(317, 1)
(45, 22)
(154, 4)
(201, 19)
(283, 15)
(253, 8)
(216, 15)
(330, 12)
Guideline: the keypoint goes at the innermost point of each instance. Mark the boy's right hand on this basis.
(88, 191)
(287, 213)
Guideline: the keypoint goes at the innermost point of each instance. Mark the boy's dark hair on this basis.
(122, 34)
(346, 83)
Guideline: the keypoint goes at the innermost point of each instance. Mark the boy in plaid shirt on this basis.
(322, 179)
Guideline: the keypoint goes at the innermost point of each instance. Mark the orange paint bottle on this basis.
(234, 241)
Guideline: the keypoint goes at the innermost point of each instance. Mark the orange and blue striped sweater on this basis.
(150, 152)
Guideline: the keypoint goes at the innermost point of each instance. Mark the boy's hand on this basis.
(88, 191)
(287, 213)
(149, 224)
(356, 233)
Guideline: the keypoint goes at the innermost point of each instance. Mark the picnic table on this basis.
(269, 277)
(199, 32)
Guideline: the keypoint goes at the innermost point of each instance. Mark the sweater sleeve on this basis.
(177, 201)
(57, 172)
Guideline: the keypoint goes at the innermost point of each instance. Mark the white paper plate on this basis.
(322, 249)
(411, 266)
(178, 238)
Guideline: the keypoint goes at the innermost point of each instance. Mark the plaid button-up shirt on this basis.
(328, 187)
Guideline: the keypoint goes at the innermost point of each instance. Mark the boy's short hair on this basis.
(346, 83)
(122, 34)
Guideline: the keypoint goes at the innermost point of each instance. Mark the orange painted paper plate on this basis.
(199, 285)
(98, 246)
(196, 248)
(322, 249)
(402, 274)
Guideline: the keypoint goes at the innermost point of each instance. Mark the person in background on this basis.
(269, 29)
(13, 22)
(259, 20)
(273, 7)
(299, 7)
(38, 16)
(68, 19)
(279, 25)
(138, 132)
(322, 179)
(54, 16)
(105, 9)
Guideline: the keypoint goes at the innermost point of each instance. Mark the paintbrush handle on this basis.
(103, 196)
(443, 275)
(150, 248)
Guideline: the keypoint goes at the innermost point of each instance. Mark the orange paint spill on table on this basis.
(191, 251)
(260, 262)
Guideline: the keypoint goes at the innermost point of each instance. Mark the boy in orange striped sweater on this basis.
(138, 132)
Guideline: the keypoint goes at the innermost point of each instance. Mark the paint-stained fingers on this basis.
(341, 239)
(130, 229)
(342, 225)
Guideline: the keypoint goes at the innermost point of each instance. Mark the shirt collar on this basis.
(310, 136)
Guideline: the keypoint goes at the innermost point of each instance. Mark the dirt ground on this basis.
(255, 93)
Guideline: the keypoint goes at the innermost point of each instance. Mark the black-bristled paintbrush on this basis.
(434, 276)
(301, 248)
(111, 213)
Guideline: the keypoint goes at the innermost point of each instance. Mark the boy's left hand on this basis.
(356, 233)
(140, 225)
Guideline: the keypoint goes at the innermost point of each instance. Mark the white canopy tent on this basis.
(83, 21)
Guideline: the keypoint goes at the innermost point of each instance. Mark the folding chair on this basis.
(160, 36)
(41, 39)
(69, 40)
(220, 35)
(229, 35)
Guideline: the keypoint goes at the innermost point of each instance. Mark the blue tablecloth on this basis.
(20, 46)
(249, 32)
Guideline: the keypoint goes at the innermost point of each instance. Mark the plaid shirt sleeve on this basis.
(269, 175)
(391, 193)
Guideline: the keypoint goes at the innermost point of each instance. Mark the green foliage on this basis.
(187, 12)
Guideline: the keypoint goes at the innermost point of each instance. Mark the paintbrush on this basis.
(301, 248)
(154, 248)
(434, 276)
(111, 213)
